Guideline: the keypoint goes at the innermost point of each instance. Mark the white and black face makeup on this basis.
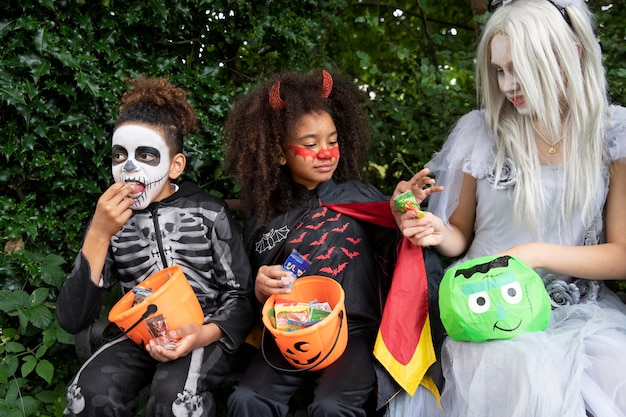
(141, 159)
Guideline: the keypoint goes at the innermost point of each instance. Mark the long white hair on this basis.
(558, 64)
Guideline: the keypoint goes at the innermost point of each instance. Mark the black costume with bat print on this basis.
(337, 245)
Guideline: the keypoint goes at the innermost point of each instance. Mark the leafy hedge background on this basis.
(62, 66)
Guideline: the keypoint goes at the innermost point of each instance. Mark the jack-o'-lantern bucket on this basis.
(172, 296)
(319, 345)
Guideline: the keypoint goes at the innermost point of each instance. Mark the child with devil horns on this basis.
(296, 146)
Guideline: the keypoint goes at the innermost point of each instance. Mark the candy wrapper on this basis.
(141, 293)
(406, 201)
(158, 328)
(296, 264)
(290, 315)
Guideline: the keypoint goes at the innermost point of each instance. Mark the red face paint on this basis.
(308, 153)
(329, 153)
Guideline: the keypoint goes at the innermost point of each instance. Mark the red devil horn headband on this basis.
(277, 103)
(327, 84)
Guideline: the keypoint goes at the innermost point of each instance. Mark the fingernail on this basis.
(287, 280)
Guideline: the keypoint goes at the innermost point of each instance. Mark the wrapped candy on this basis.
(296, 264)
(406, 201)
(158, 328)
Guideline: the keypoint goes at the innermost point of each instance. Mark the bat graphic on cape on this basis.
(271, 238)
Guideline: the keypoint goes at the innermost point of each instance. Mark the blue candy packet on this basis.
(296, 264)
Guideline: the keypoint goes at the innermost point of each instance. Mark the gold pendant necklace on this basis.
(552, 149)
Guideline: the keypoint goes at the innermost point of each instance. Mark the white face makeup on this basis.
(140, 159)
(507, 80)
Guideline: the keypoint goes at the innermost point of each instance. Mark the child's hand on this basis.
(423, 228)
(420, 184)
(188, 338)
(112, 210)
(271, 279)
(163, 354)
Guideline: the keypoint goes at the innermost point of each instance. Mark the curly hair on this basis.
(157, 102)
(258, 134)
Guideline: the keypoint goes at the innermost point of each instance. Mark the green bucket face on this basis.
(492, 298)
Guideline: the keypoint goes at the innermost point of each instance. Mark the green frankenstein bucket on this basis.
(493, 297)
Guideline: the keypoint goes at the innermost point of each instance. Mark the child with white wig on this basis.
(539, 172)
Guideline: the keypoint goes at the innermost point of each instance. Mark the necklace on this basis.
(551, 146)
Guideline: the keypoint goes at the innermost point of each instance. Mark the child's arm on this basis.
(606, 261)
(235, 311)
(423, 228)
(112, 212)
(80, 299)
(430, 230)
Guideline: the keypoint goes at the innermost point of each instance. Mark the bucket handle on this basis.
(294, 370)
(151, 309)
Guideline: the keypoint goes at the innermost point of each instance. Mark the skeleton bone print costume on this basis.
(195, 231)
(164, 236)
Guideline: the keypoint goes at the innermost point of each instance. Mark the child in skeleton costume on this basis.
(539, 173)
(296, 144)
(142, 224)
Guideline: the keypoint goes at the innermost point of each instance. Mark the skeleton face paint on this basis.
(141, 159)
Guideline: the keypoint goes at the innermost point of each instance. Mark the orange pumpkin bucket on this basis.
(319, 345)
(172, 296)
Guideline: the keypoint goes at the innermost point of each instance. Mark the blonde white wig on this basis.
(557, 62)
